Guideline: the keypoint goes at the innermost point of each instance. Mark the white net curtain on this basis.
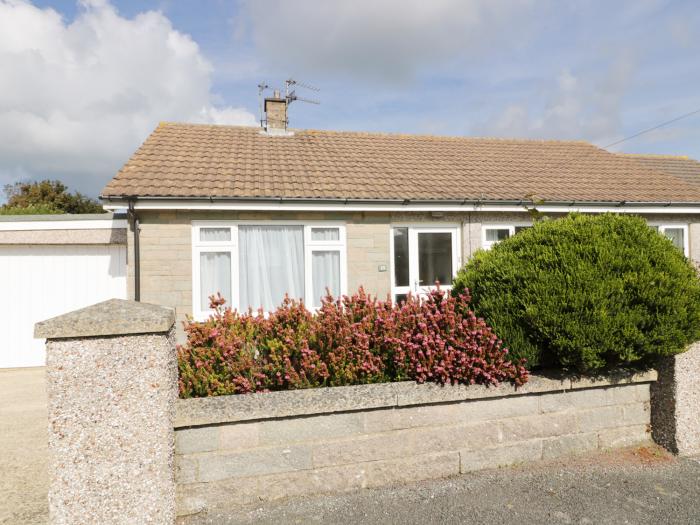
(326, 274)
(215, 276)
(271, 263)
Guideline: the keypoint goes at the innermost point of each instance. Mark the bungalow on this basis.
(255, 213)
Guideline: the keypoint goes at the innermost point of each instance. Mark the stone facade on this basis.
(166, 247)
(166, 253)
(240, 449)
(676, 402)
(112, 385)
(368, 249)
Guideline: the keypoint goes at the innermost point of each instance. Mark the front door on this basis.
(422, 257)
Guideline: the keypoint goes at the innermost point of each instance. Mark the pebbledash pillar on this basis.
(675, 402)
(112, 388)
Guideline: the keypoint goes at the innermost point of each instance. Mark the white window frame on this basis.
(413, 229)
(663, 226)
(231, 247)
(510, 226)
(311, 246)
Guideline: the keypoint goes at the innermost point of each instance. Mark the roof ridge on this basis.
(386, 134)
(655, 156)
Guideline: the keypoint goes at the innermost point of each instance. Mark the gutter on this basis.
(137, 249)
(347, 201)
(390, 205)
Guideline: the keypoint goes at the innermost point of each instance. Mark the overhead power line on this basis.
(690, 114)
(559, 165)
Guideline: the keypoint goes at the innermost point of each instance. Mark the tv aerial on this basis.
(291, 95)
(261, 89)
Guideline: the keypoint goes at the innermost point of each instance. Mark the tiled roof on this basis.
(679, 166)
(188, 160)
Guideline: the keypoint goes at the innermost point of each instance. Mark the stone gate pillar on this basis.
(112, 387)
(675, 403)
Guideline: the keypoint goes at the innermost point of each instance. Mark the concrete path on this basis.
(642, 486)
(23, 446)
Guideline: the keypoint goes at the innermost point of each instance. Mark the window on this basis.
(677, 233)
(255, 264)
(325, 250)
(495, 233)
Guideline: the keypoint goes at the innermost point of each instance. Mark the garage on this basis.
(50, 265)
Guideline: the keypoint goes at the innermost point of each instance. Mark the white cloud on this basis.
(77, 98)
(574, 107)
(390, 40)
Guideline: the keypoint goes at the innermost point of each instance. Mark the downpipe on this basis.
(135, 224)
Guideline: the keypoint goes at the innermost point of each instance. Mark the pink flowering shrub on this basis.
(442, 341)
(348, 341)
(235, 353)
(349, 334)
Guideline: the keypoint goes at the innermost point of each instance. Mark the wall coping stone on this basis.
(109, 318)
(315, 401)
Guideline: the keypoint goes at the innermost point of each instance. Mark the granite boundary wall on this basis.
(234, 450)
(112, 385)
(675, 402)
(124, 449)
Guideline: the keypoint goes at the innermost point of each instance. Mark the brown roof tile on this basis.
(682, 167)
(189, 160)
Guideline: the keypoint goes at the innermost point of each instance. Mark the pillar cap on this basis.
(113, 317)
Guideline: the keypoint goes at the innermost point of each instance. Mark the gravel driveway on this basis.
(23, 446)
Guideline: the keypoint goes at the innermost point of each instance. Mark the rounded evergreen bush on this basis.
(586, 293)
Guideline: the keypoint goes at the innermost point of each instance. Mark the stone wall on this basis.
(111, 379)
(676, 402)
(240, 449)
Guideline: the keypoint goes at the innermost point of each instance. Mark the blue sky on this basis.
(85, 82)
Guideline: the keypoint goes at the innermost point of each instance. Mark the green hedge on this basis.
(586, 293)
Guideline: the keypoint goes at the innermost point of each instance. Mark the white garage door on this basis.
(39, 282)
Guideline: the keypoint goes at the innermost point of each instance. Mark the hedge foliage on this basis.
(348, 341)
(586, 293)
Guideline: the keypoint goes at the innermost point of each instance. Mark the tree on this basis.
(46, 196)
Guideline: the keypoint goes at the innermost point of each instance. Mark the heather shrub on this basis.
(234, 353)
(348, 335)
(442, 341)
(586, 293)
(350, 340)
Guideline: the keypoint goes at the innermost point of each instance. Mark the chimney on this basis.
(276, 113)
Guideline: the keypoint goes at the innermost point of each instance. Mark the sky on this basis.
(82, 84)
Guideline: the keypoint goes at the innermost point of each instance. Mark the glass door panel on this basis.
(423, 256)
(434, 258)
(401, 283)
